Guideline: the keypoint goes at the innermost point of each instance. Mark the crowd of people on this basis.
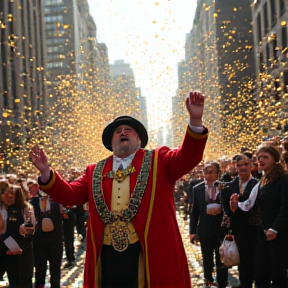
(245, 197)
(33, 229)
(132, 208)
(126, 231)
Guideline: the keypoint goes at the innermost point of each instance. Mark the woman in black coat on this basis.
(18, 264)
(270, 196)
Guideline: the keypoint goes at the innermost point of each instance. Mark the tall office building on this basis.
(270, 34)
(123, 89)
(23, 91)
(72, 47)
(219, 61)
(143, 107)
(270, 20)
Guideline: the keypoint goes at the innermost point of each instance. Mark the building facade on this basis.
(270, 32)
(270, 20)
(123, 89)
(219, 62)
(23, 90)
(72, 48)
(143, 107)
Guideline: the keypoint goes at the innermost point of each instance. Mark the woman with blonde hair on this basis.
(270, 196)
(17, 262)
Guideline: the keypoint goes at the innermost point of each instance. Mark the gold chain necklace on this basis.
(119, 223)
(120, 174)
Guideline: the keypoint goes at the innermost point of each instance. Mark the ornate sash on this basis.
(119, 223)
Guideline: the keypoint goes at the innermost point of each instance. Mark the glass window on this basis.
(284, 36)
(282, 7)
(259, 28)
(266, 21)
(55, 18)
(53, 2)
(55, 65)
(273, 12)
(57, 9)
(55, 40)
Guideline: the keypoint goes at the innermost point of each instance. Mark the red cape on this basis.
(155, 222)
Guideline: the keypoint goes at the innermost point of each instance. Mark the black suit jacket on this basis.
(190, 196)
(272, 201)
(240, 221)
(56, 217)
(207, 224)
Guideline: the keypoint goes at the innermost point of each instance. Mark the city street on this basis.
(122, 116)
(72, 277)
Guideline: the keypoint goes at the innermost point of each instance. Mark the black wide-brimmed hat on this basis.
(124, 120)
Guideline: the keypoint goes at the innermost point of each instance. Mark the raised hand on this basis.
(195, 107)
(39, 160)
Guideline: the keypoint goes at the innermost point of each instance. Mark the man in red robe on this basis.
(133, 239)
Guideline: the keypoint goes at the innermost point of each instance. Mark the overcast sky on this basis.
(150, 36)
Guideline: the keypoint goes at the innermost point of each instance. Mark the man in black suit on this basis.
(47, 240)
(243, 224)
(209, 219)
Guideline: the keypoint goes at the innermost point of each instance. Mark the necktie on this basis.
(241, 189)
(120, 167)
(44, 203)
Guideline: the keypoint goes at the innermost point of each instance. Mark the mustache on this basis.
(123, 135)
(123, 138)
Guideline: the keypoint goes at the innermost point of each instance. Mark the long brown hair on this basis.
(3, 187)
(277, 170)
(19, 199)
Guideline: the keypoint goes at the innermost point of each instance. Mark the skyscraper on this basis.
(219, 62)
(72, 47)
(23, 88)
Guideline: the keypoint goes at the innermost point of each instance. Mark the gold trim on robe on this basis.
(155, 167)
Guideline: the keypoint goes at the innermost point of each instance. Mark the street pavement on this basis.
(195, 259)
(73, 276)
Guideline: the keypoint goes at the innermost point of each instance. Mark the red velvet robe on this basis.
(166, 263)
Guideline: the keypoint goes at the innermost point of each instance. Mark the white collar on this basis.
(124, 161)
(121, 160)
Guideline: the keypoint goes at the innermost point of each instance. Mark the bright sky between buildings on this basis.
(150, 36)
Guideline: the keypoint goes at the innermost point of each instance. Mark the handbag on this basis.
(229, 254)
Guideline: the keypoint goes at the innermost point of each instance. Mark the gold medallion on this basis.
(119, 175)
(119, 234)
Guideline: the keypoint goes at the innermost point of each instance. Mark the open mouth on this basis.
(123, 139)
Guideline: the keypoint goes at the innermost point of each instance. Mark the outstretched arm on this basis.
(183, 159)
(75, 193)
